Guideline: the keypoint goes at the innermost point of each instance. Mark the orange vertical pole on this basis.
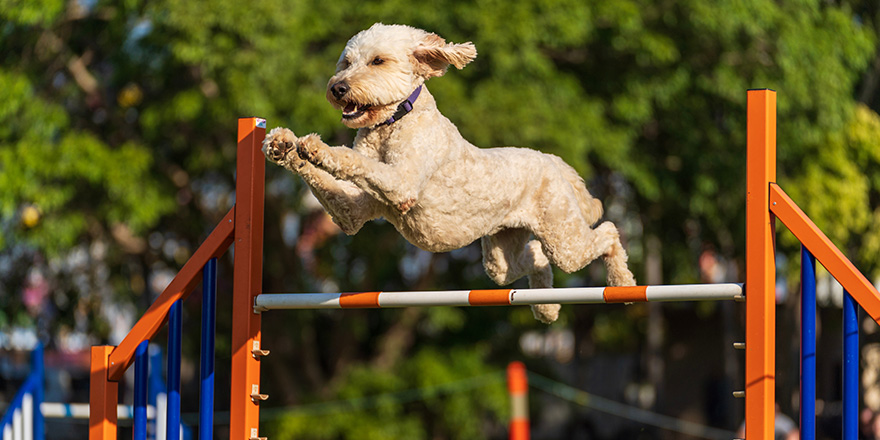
(103, 396)
(244, 418)
(518, 388)
(760, 266)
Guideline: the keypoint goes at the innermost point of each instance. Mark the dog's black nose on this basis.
(339, 89)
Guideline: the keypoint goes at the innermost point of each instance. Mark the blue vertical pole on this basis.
(175, 324)
(808, 345)
(209, 312)
(155, 387)
(141, 372)
(37, 370)
(850, 368)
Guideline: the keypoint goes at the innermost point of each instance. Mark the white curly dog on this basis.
(410, 165)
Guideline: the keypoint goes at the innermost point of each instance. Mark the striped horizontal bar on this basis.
(57, 410)
(573, 295)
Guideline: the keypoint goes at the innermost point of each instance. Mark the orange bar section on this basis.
(760, 266)
(825, 251)
(359, 300)
(179, 288)
(494, 297)
(103, 396)
(625, 294)
(518, 388)
(244, 420)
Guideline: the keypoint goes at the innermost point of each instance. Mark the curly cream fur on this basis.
(437, 189)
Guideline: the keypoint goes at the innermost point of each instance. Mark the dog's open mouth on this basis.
(353, 110)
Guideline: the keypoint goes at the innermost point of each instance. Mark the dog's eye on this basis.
(377, 61)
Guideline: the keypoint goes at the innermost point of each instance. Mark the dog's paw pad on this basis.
(309, 148)
(278, 143)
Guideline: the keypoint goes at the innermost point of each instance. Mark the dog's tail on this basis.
(589, 206)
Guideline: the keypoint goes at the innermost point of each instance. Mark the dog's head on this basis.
(381, 66)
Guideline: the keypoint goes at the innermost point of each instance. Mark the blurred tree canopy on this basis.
(117, 149)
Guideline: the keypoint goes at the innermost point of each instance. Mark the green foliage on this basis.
(840, 188)
(70, 176)
(454, 393)
(117, 132)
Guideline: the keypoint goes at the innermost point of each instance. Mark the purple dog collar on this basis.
(404, 107)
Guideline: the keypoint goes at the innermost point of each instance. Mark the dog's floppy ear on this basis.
(433, 55)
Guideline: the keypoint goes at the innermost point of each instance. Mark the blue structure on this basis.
(808, 356)
(850, 368)
(808, 345)
(24, 412)
(206, 364)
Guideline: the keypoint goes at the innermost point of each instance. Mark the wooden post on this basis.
(247, 282)
(760, 266)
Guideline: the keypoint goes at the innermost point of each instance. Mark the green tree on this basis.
(117, 153)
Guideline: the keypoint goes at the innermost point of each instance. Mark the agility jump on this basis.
(243, 226)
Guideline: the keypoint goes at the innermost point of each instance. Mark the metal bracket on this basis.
(256, 396)
(257, 352)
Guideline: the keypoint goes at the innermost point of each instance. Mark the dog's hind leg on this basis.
(578, 245)
(564, 228)
(508, 255)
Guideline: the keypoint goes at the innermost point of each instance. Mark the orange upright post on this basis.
(103, 396)
(518, 388)
(760, 266)
(245, 392)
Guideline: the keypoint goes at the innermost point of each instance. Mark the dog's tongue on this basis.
(351, 107)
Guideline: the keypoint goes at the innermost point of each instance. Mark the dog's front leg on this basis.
(397, 185)
(349, 206)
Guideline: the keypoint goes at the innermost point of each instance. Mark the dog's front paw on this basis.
(278, 145)
(311, 148)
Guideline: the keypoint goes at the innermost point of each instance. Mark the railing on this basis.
(850, 418)
(766, 202)
(23, 419)
(108, 363)
(26, 414)
(168, 425)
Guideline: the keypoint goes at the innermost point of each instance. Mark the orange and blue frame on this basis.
(765, 202)
(243, 225)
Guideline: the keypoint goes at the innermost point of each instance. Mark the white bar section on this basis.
(569, 295)
(564, 295)
(270, 301)
(423, 299)
(55, 410)
(694, 292)
(7, 432)
(27, 410)
(16, 424)
(161, 415)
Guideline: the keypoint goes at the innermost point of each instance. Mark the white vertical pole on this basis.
(161, 415)
(7, 432)
(27, 408)
(16, 425)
